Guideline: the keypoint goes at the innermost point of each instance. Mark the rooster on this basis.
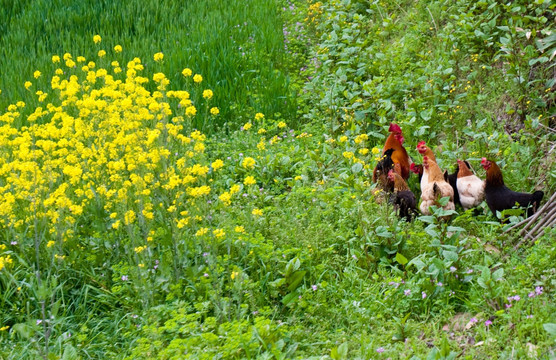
(435, 188)
(399, 157)
(470, 188)
(499, 197)
(380, 174)
(403, 199)
(424, 150)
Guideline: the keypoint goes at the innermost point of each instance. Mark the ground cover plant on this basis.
(160, 204)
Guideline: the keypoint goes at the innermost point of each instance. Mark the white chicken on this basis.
(471, 189)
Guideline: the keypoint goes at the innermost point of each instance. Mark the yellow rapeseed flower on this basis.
(259, 116)
(199, 148)
(187, 72)
(343, 138)
(261, 131)
(201, 232)
(190, 111)
(50, 243)
(281, 124)
(118, 48)
(248, 163)
(247, 126)
(55, 59)
(234, 189)
(198, 191)
(182, 223)
(27, 85)
(214, 111)
(4, 261)
(218, 233)
(37, 74)
(101, 53)
(158, 57)
(197, 78)
(97, 39)
(360, 138)
(129, 217)
(257, 212)
(198, 169)
(249, 180)
(363, 151)
(217, 164)
(239, 229)
(139, 249)
(207, 94)
(348, 154)
(375, 150)
(226, 198)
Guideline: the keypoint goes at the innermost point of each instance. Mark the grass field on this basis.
(237, 46)
(149, 213)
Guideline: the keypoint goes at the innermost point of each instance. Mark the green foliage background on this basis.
(327, 258)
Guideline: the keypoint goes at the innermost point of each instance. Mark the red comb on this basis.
(421, 143)
(483, 160)
(395, 128)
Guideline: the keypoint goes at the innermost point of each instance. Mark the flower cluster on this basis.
(105, 145)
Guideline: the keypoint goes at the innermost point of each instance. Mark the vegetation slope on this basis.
(206, 194)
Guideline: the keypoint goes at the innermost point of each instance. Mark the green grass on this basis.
(313, 264)
(237, 46)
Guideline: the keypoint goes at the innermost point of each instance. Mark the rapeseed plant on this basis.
(106, 145)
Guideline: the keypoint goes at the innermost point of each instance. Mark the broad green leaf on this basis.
(498, 274)
(550, 328)
(70, 353)
(290, 297)
(401, 259)
(450, 255)
(343, 350)
(357, 167)
(295, 280)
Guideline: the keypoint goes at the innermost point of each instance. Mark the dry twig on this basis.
(536, 225)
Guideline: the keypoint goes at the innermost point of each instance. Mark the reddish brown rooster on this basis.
(399, 156)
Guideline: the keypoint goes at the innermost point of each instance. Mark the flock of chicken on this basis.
(462, 187)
